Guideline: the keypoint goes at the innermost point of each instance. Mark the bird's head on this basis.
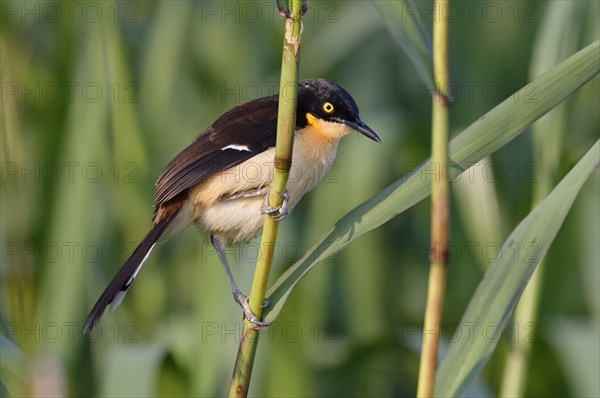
(328, 107)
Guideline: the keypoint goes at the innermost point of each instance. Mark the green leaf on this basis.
(483, 137)
(499, 291)
(82, 143)
(572, 340)
(13, 364)
(132, 370)
(403, 22)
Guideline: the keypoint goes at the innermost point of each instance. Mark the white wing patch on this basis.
(237, 148)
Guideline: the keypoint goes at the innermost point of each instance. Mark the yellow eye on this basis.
(328, 107)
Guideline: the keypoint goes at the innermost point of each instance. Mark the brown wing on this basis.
(238, 135)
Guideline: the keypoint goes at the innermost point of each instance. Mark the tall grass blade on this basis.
(492, 131)
(557, 37)
(132, 371)
(13, 365)
(500, 289)
(403, 23)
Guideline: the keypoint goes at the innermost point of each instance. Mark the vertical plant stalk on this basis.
(554, 41)
(516, 368)
(286, 123)
(439, 206)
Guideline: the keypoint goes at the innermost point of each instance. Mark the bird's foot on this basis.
(285, 12)
(281, 211)
(242, 300)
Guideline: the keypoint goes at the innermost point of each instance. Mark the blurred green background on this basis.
(98, 96)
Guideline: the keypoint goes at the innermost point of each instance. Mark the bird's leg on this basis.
(238, 296)
(281, 211)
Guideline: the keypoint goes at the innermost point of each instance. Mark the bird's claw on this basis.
(281, 211)
(283, 9)
(285, 12)
(243, 302)
(266, 303)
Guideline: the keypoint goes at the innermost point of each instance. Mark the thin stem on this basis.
(286, 122)
(439, 207)
(516, 368)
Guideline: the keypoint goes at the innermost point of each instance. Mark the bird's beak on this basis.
(362, 128)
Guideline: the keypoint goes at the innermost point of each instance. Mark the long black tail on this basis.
(116, 289)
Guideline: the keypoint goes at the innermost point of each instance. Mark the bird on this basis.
(220, 182)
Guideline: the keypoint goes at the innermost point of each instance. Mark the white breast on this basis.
(240, 219)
